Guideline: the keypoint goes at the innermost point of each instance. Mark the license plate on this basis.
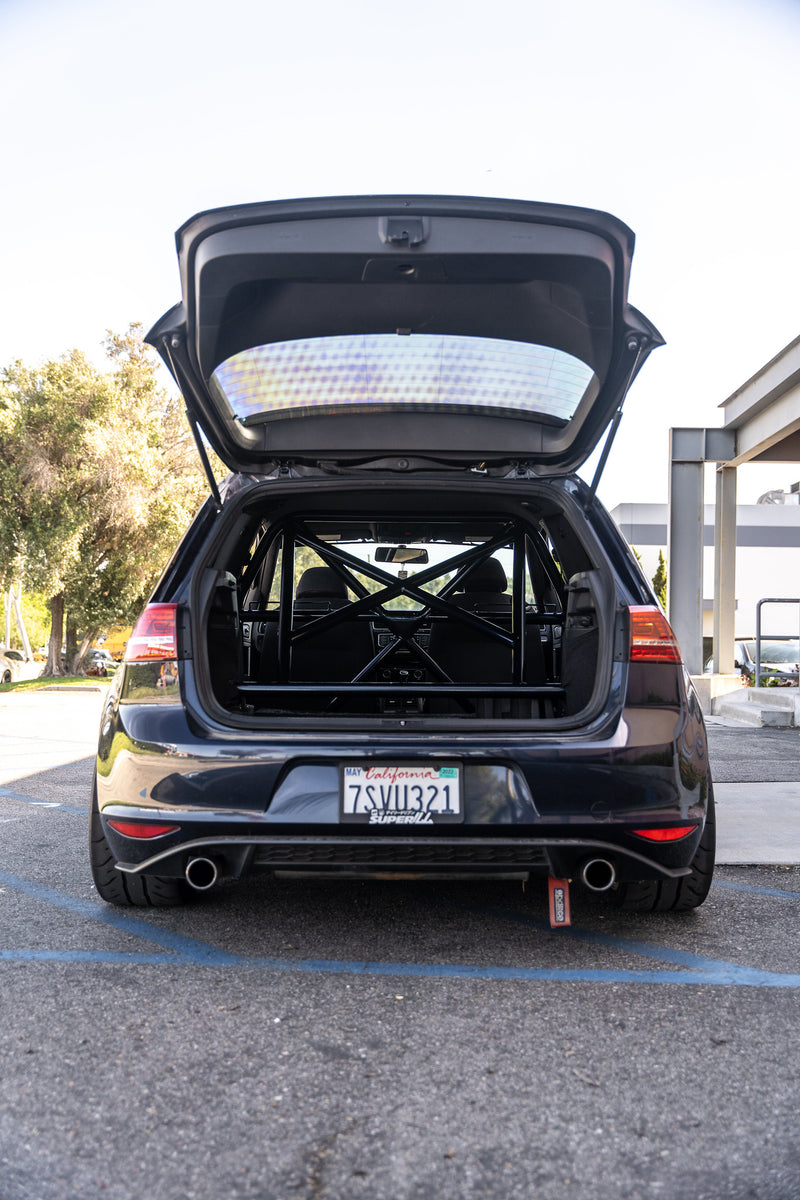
(401, 793)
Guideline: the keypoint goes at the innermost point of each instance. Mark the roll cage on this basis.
(380, 678)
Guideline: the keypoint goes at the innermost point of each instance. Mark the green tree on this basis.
(35, 615)
(98, 478)
(660, 580)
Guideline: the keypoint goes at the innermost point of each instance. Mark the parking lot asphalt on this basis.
(284, 1039)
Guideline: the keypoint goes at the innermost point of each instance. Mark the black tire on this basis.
(6, 677)
(676, 895)
(117, 887)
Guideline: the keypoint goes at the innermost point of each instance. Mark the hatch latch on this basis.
(403, 231)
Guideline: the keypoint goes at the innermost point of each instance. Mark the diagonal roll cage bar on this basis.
(293, 532)
(371, 602)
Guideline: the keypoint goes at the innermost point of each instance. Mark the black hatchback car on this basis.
(403, 637)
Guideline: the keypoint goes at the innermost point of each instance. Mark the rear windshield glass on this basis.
(415, 371)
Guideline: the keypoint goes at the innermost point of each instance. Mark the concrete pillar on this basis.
(689, 449)
(685, 544)
(724, 570)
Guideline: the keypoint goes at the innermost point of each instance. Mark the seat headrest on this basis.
(488, 577)
(320, 581)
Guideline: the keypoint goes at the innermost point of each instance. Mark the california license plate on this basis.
(401, 793)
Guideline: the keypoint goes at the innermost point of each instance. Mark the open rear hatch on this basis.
(458, 330)
(433, 340)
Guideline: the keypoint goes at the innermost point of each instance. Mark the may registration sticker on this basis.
(401, 793)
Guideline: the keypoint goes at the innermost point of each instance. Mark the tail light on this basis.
(665, 835)
(142, 829)
(155, 635)
(652, 639)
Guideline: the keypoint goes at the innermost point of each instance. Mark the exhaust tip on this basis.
(598, 874)
(201, 873)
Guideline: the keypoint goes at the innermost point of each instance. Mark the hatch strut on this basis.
(612, 429)
(198, 439)
(201, 450)
(633, 344)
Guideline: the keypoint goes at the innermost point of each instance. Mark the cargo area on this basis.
(431, 606)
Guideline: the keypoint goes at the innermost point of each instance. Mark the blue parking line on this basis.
(42, 803)
(189, 949)
(90, 956)
(719, 970)
(734, 976)
(780, 893)
(612, 941)
(186, 951)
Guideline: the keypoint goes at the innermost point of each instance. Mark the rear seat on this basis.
(337, 654)
(470, 655)
(334, 655)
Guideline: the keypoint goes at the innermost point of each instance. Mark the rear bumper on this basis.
(562, 857)
(533, 802)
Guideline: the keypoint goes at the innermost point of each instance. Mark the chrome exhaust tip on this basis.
(598, 874)
(201, 873)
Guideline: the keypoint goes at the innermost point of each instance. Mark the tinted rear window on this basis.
(422, 372)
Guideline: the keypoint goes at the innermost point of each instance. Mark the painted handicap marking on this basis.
(696, 969)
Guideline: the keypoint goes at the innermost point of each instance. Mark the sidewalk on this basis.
(756, 773)
(758, 823)
(45, 729)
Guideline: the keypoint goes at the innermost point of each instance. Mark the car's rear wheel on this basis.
(6, 677)
(675, 895)
(118, 887)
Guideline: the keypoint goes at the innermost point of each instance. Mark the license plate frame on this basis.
(401, 794)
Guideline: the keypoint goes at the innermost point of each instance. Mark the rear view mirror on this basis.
(400, 554)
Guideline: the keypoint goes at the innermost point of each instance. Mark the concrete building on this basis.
(767, 559)
(762, 424)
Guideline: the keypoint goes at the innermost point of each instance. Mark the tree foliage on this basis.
(98, 478)
(660, 581)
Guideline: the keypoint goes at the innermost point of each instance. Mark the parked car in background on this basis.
(780, 661)
(100, 663)
(14, 665)
(404, 638)
(116, 640)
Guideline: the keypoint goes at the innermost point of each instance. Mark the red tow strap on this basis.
(558, 892)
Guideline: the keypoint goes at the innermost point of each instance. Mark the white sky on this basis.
(681, 118)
